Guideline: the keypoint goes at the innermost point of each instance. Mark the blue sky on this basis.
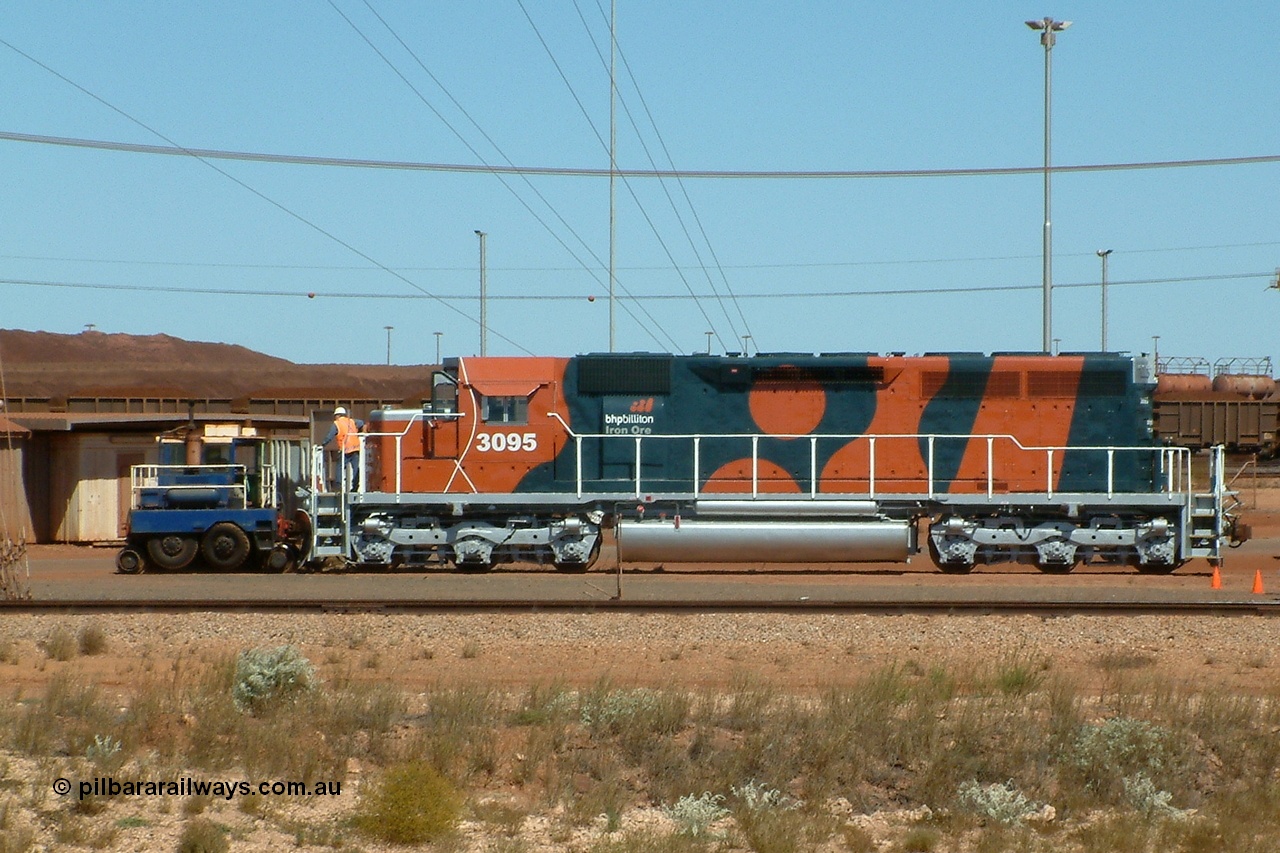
(134, 242)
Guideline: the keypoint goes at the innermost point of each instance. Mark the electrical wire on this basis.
(276, 204)
(582, 172)
(630, 189)
(656, 297)
(780, 266)
(421, 97)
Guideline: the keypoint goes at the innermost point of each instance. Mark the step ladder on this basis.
(329, 528)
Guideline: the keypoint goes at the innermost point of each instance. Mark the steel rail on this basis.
(1269, 606)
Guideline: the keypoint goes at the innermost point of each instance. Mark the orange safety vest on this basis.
(348, 434)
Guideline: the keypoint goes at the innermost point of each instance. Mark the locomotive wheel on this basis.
(225, 547)
(579, 568)
(945, 567)
(172, 552)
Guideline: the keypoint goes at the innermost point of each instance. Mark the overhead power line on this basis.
(656, 297)
(570, 171)
(776, 266)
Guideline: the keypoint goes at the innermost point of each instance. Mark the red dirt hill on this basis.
(44, 364)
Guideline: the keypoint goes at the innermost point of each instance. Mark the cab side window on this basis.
(505, 410)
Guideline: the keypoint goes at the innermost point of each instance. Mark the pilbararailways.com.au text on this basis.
(108, 786)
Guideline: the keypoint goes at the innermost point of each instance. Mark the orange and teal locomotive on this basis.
(782, 457)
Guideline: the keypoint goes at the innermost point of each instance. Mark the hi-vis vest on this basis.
(348, 434)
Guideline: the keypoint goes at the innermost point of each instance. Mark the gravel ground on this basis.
(797, 653)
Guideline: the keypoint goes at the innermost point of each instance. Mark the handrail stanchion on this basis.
(813, 466)
(1111, 472)
(931, 467)
(697, 461)
(1049, 474)
(871, 466)
(399, 463)
(577, 461)
(755, 466)
(991, 474)
(637, 466)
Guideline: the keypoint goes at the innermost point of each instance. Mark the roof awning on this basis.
(506, 387)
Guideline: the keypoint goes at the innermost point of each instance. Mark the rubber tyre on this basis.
(225, 547)
(130, 562)
(172, 552)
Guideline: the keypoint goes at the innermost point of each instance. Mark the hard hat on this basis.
(339, 411)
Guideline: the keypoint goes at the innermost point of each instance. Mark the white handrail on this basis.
(1175, 461)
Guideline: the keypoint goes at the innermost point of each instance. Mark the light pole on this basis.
(1049, 29)
(388, 328)
(1104, 254)
(1155, 351)
(438, 335)
(484, 301)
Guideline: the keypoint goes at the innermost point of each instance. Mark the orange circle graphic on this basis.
(735, 478)
(787, 402)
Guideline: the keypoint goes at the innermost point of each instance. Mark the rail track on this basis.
(1269, 606)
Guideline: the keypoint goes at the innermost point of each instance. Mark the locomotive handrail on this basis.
(1174, 462)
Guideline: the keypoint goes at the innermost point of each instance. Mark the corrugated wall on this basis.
(15, 513)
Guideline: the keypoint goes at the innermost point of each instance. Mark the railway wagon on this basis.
(799, 458)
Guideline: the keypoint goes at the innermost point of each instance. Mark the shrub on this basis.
(60, 645)
(1118, 747)
(202, 836)
(264, 677)
(1002, 803)
(92, 639)
(1147, 799)
(694, 815)
(412, 803)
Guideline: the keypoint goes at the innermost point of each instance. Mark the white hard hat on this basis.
(339, 411)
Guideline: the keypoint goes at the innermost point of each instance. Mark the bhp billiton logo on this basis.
(642, 405)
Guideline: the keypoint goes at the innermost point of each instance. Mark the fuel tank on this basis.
(760, 541)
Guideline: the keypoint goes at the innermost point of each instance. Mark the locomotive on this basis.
(779, 457)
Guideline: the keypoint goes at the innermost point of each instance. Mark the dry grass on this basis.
(1123, 767)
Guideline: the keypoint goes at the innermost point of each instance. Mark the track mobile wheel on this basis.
(172, 552)
(130, 562)
(225, 547)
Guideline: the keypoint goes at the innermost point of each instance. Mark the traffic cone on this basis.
(1257, 583)
(1216, 582)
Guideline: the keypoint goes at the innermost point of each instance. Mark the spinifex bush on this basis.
(410, 804)
(264, 677)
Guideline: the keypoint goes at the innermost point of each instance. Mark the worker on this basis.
(346, 431)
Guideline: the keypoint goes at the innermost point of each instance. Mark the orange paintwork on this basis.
(787, 403)
(899, 464)
(1038, 422)
(735, 478)
(465, 455)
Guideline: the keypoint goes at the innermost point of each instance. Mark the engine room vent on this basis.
(608, 374)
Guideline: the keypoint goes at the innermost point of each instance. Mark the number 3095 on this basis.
(506, 441)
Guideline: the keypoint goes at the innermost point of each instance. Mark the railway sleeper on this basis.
(957, 544)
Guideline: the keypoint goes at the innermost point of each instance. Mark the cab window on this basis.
(505, 410)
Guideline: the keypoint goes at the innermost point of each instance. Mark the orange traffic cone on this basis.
(1216, 582)
(1257, 583)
